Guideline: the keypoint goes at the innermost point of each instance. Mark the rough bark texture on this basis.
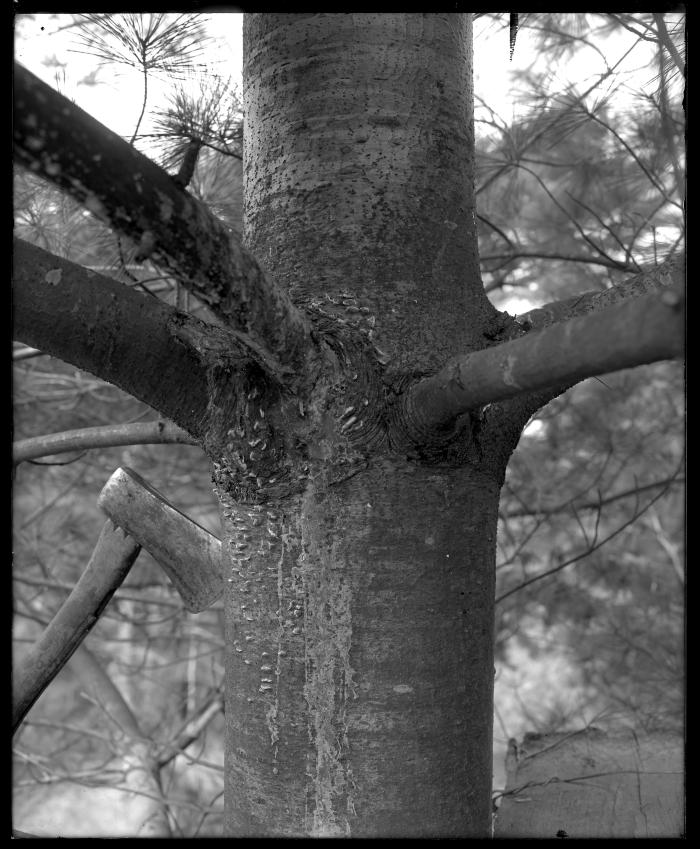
(361, 667)
(359, 166)
(360, 591)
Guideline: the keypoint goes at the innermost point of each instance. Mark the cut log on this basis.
(590, 784)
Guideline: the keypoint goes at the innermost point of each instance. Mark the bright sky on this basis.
(115, 100)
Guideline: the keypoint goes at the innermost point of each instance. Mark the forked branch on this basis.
(59, 141)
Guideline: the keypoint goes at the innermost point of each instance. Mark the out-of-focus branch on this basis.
(593, 504)
(103, 436)
(590, 548)
(141, 772)
(191, 730)
(590, 260)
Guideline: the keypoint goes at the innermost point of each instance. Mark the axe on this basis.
(189, 554)
(139, 517)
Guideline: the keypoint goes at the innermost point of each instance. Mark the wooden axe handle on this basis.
(109, 564)
(188, 553)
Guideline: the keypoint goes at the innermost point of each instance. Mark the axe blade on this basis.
(189, 554)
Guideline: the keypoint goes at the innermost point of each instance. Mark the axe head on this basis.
(189, 554)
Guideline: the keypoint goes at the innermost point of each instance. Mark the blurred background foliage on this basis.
(580, 190)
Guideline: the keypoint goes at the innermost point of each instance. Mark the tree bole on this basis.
(360, 599)
(360, 407)
(361, 661)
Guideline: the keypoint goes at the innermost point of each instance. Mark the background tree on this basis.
(319, 641)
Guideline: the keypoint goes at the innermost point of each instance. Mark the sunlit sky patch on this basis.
(45, 40)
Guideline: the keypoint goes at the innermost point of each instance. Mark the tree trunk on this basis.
(360, 610)
(360, 666)
(359, 478)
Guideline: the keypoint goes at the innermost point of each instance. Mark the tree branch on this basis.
(59, 141)
(590, 260)
(141, 771)
(191, 730)
(670, 273)
(665, 39)
(111, 560)
(589, 549)
(145, 347)
(594, 504)
(641, 330)
(104, 436)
